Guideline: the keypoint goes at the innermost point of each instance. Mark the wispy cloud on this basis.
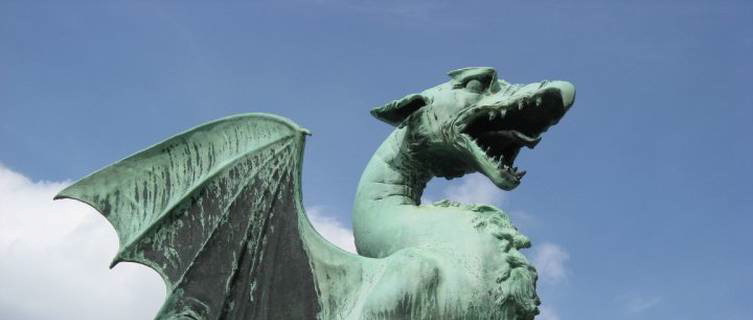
(52, 249)
(550, 260)
(637, 303)
(331, 229)
(475, 188)
(547, 313)
(551, 263)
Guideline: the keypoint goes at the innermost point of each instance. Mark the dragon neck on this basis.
(393, 176)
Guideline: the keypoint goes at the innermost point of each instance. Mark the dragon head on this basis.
(476, 122)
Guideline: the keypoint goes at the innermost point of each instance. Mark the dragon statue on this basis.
(217, 212)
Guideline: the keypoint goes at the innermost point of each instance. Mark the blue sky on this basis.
(643, 191)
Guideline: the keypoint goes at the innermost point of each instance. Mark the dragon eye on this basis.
(474, 85)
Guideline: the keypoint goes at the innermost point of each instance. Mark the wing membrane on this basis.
(214, 211)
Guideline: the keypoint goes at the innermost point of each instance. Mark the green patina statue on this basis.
(217, 212)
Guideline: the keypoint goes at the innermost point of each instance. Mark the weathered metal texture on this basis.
(472, 123)
(217, 212)
(212, 210)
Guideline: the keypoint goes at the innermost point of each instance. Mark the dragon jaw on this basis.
(493, 132)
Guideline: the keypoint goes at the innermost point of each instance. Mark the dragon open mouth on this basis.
(500, 131)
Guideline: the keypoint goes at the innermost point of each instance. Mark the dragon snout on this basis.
(567, 91)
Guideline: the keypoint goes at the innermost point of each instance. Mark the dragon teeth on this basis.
(538, 101)
(492, 115)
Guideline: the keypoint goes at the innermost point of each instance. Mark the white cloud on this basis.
(331, 229)
(55, 258)
(550, 260)
(475, 188)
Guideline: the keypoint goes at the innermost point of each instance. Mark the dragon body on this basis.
(217, 212)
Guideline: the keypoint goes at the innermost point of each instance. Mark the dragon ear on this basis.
(396, 111)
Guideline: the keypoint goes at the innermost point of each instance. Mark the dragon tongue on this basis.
(516, 136)
(526, 140)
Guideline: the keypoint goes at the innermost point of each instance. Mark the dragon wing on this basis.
(217, 212)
